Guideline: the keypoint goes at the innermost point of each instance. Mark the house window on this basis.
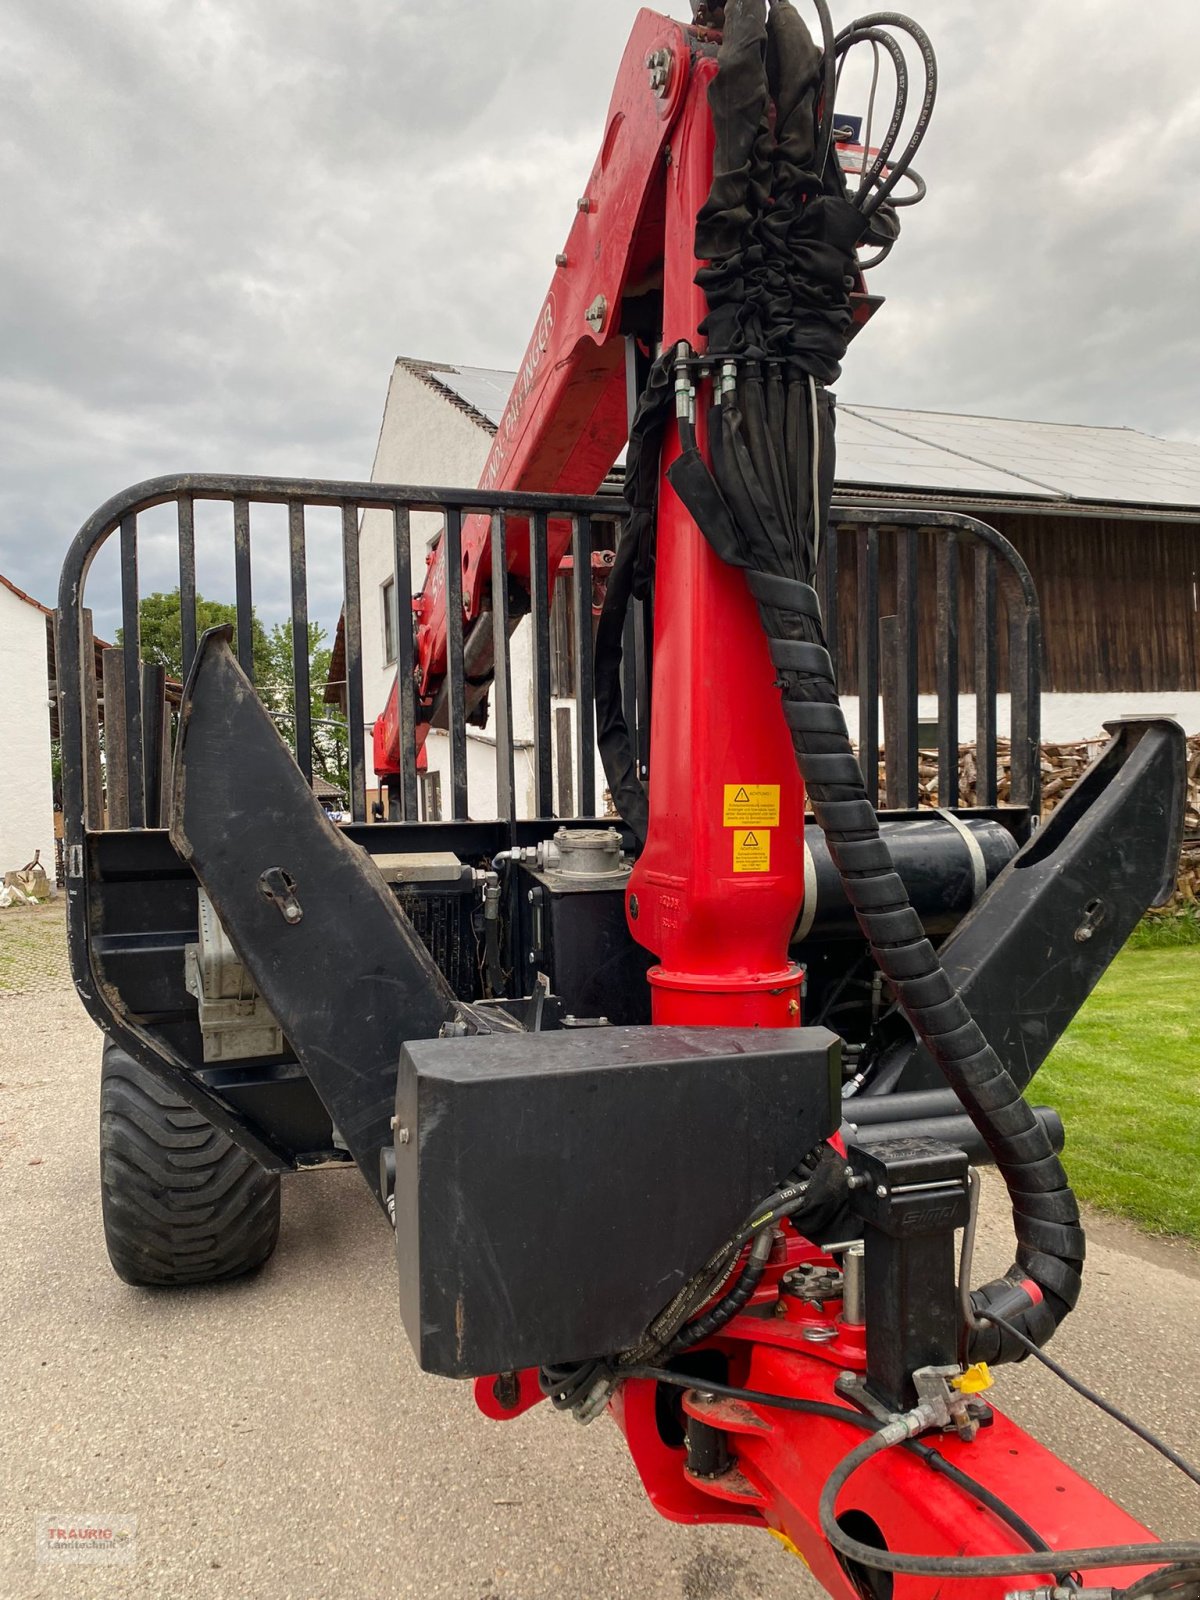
(562, 637)
(391, 620)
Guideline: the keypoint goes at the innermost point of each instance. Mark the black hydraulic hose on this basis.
(1043, 1286)
(829, 70)
(998, 1566)
(726, 1309)
(854, 1419)
(877, 36)
(866, 28)
(613, 738)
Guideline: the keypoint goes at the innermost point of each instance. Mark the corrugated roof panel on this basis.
(938, 450)
(870, 453)
(1059, 459)
(483, 388)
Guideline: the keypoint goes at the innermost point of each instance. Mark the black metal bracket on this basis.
(911, 1195)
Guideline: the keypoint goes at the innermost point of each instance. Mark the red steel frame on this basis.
(721, 935)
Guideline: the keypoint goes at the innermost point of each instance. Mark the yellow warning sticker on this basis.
(751, 805)
(752, 850)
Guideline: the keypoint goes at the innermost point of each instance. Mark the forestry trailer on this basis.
(676, 1109)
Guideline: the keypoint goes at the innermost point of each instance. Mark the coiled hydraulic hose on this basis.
(1044, 1284)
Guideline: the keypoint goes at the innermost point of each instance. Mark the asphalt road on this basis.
(274, 1439)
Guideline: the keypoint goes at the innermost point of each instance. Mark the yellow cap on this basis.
(974, 1380)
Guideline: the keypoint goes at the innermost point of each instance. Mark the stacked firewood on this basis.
(1062, 765)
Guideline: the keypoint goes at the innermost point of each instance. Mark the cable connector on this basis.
(941, 1399)
(975, 1380)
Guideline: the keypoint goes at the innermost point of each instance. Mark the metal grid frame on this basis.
(887, 661)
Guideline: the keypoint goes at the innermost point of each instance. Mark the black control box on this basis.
(555, 1190)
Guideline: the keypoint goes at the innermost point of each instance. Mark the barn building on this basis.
(1107, 520)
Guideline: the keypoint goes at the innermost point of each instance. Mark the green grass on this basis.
(1126, 1078)
(33, 948)
(1166, 930)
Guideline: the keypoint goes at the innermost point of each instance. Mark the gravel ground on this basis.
(274, 1439)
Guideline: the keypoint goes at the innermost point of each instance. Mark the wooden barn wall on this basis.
(849, 555)
(1118, 601)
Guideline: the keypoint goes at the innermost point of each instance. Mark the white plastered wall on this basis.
(425, 439)
(26, 792)
(1066, 718)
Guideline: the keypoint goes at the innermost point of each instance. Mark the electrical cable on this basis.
(868, 28)
(1098, 1400)
(862, 176)
(966, 1261)
(855, 1419)
(998, 1566)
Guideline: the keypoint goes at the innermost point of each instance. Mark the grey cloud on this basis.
(222, 221)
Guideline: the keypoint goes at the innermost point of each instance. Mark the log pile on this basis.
(1062, 765)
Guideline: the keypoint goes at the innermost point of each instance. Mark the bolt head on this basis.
(560, 259)
(881, 1191)
(403, 1136)
(292, 913)
(658, 65)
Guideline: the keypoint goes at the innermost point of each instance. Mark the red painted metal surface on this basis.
(788, 1459)
(566, 421)
(715, 903)
(720, 933)
(781, 1459)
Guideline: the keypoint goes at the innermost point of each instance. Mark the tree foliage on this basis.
(160, 619)
(161, 627)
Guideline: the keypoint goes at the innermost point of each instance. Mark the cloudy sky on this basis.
(223, 219)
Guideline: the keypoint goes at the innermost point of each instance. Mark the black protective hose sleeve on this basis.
(726, 1309)
(1050, 1242)
(612, 732)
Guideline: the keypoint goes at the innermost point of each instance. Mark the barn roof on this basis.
(987, 460)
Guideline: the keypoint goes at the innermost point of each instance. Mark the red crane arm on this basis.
(721, 930)
(567, 417)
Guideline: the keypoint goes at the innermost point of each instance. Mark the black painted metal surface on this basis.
(131, 902)
(317, 928)
(546, 1196)
(1034, 947)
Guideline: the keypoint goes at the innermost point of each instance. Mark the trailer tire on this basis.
(182, 1203)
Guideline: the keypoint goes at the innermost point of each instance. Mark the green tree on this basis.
(160, 618)
(277, 686)
(161, 628)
